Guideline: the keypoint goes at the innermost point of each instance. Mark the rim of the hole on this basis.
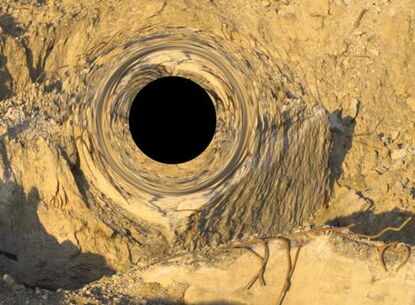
(112, 160)
(187, 149)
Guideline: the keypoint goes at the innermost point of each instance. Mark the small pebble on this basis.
(381, 169)
(9, 280)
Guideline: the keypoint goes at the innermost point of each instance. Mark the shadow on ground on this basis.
(369, 223)
(342, 130)
(28, 252)
(5, 79)
(366, 222)
(33, 256)
(9, 26)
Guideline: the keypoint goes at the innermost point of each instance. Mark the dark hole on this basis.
(172, 120)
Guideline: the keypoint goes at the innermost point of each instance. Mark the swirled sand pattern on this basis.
(248, 149)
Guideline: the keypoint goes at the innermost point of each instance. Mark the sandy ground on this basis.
(354, 58)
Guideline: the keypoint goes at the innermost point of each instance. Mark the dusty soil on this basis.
(68, 224)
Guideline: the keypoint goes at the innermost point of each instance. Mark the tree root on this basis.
(264, 259)
(396, 229)
(384, 247)
(290, 269)
(319, 230)
(245, 245)
(291, 266)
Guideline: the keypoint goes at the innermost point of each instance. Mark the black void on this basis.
(172, 120)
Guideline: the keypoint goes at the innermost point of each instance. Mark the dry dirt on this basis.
(78, 229)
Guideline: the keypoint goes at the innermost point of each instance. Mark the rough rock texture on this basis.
(66, 224)
(299, 186)
(52, 230)
(222, 277)
(66, 221)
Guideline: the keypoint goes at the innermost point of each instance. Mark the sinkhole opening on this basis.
(172, 120)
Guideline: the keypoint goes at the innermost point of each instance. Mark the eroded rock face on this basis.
(58, 235)
(79, 200)
(281, 191)
(265, 171)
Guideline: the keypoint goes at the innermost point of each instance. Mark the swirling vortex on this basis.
(240, 83)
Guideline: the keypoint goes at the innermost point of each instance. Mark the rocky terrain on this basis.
(73, 230)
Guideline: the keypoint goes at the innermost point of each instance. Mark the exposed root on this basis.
(291, 273)
(287, 283)
(264, 259)
(374, 236)
(396, 229)
(290, 268)
(245, 245)
(319, 230)
(259, 275)
(383, 248)
(265, 262)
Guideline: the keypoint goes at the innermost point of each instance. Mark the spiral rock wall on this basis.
(79, 200)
